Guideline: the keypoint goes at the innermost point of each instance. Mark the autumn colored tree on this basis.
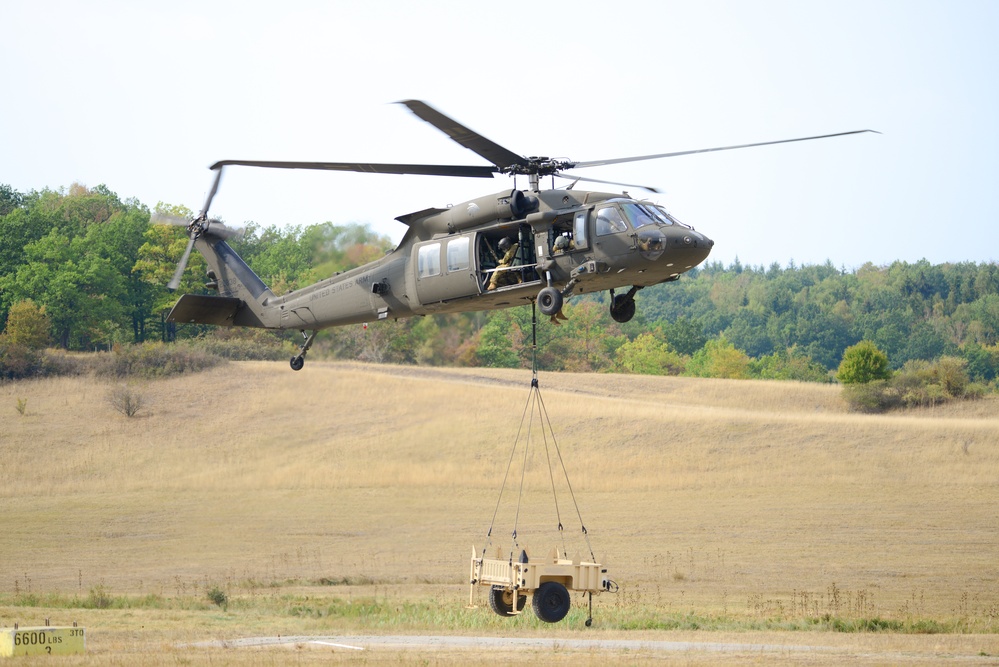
(719, 359)
(27, 326)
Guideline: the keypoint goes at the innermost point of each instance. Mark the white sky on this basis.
(143, 96)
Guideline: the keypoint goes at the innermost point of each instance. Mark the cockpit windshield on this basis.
(662, 214)
(641, 214)
(638, 215)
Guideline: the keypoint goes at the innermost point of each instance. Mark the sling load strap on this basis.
(536, 401)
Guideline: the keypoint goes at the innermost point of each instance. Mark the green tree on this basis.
(10, 199)
(583, 342)
(863, 363)
(683, 335)
(648, 355)
(983, 361)
(788, 364)
(719, 359)
(498, 341)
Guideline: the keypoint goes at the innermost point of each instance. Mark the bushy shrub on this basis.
(790, 364)
(246, 345)
(60, 362)
(18, 361)
(151, 360)
(218, 597)
(126, 400)
(917, 384)
(874, 396)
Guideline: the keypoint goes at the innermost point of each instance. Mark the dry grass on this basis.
(735, 499)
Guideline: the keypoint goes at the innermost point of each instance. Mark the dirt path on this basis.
(867, 649)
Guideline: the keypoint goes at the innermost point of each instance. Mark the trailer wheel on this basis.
(551, 602)
(501, 601)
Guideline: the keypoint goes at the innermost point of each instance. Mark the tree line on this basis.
(94, 269)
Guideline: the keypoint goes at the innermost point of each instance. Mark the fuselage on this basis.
(443, 265)
(576, 241)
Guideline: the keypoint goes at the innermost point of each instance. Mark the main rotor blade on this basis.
(371, 168)
(211, 194)
(178, 274)
(574, 177)
(470, 139)
(597, 163)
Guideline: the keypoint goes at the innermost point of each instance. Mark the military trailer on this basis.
(549, 581)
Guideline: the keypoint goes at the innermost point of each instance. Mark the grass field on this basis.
(346, 499)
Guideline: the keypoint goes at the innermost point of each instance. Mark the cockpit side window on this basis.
(610, 221)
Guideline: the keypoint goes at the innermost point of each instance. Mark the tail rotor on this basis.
(196, 228)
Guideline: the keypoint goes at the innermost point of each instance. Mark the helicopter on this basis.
(514, 247)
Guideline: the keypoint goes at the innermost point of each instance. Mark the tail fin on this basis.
(242, 295)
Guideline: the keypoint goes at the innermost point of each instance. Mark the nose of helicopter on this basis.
(690, 245)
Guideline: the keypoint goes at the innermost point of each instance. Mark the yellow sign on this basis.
(42, 641)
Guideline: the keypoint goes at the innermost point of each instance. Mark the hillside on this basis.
(708, 495)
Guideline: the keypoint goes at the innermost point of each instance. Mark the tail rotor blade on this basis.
(174, 283)
(159, 218)
(217, 228)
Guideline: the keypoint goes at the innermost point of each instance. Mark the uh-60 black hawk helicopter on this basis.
(500, 250)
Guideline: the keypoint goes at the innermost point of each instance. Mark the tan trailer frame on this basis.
(515, 578)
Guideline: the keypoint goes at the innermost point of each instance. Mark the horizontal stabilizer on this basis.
(202, 309)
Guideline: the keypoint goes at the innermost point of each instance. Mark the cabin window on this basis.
(579, 230)
(429, 260)
(609, 221)
(457, 254)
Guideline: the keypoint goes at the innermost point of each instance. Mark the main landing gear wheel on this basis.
(549, 301)
(297, 363)
(501, 601)
(551, 602)
(622, 308)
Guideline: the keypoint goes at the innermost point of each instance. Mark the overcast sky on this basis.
(143, 96)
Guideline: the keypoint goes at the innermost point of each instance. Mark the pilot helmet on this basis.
(561, 243)
(504, 244)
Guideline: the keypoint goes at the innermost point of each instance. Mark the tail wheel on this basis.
(549, 301)
(551, 602)
(297, 363)
(501, 601)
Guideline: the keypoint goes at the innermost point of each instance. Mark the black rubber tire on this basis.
(501, 601)
(297, 363)
(551, 602)
(622, 308)
(549, 301)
